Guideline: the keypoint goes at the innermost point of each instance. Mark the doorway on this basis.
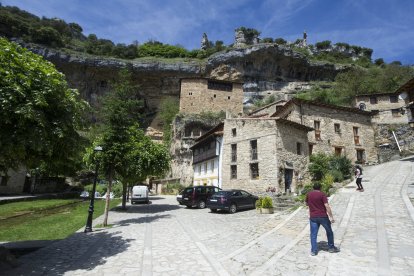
(288, 179)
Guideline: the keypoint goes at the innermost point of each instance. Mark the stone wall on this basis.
(275, 148)
(388, 112)
(343, 140)
(15, 182)
(196, 97)
(387, 146)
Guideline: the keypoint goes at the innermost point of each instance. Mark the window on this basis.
(299, 149)
(373, 100)
(337, 128)
(316, 126)
(214, 95)
(395, 112)
(356, 135)
(205, 168)
(360, 155)
(338, 151)
(254, 170)
(199, 169)
(393, 99)
(233, 132)
(233, 152)
(233, 169)
(212, 165)
(228, 97)
(253, 150)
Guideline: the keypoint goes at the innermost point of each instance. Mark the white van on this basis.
(139, 194)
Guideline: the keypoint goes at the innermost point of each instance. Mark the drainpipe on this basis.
(218, 164)
(395, 137)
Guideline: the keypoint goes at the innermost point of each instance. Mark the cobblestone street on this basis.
(374, 230)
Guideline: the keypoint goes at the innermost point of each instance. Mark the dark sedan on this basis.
(231, 201)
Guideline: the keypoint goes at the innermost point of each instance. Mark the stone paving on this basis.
(374, 229)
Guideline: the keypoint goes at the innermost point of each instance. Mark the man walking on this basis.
(320, 213)
(358, 175)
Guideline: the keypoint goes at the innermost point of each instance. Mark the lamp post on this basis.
(88, 227)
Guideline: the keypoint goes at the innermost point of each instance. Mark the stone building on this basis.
(207, 157)
(267, 110)
(198, 95)
(337, 130)
(389, 108)
(262, 153)
(406, 93)
(14, 182)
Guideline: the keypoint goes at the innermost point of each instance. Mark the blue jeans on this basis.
(314, 228)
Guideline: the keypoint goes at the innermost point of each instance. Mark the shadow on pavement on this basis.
(147, 219)
(147, 208)
(80, 251)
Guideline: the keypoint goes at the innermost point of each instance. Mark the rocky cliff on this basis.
(158, 78)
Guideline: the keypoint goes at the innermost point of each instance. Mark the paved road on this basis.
(374, 229)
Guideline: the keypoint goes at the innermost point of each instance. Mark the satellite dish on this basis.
(362, 106)
(403, 95)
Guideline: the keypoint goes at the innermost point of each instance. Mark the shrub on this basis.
(327, 182)
(267, 202)
(259, 202)
(280, 41)
(337, 175)
(323, 45)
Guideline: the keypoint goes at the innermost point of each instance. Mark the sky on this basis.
(386, 26)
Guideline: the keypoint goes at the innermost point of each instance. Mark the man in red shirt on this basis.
(320, 213)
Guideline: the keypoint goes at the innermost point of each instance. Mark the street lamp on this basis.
(88, 227)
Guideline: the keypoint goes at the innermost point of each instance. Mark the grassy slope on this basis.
(55, 223)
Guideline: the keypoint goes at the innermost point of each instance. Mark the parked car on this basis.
(196, 196)
(139, 194)
(231, 201)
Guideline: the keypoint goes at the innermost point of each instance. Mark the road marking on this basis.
(253, 242)
(147, 256)
(215, 264)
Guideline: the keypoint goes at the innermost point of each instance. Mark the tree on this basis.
(169, 108)
(41, 115)
(280, 41)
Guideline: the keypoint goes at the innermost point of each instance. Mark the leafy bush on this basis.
(259, 202)
(280, 41)
(327, 182)
(267, 40)
(323, 45)
(338, 167)
(264, 202)
(117, 189)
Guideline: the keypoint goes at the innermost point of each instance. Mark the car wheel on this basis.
(213, 210)
(233, 208)
(201, 204)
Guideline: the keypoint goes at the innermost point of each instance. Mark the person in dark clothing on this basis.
(358, 175)
(320, 213)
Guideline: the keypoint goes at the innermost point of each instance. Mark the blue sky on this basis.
(383, 25)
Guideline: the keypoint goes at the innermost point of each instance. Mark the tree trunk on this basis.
(124, 194)
(108, 197)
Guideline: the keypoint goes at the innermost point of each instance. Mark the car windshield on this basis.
(188, 191)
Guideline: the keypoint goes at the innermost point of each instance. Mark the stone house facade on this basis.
(199, 94)
(14, 183)
(389, 107)
(207, 157)
(263, 153)
(337, 130)
(406, 93)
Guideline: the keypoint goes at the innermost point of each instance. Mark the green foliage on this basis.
(249, 33)
(258, 203)
(172, 188)
(41, 116)
(169, 108)
(379, 61)
(344, 45)
(327, 182)
(323, 45)
(101, 189)
(267, 40)
(330, 167)
(263, 102)
(267, 202)
(280, 41)
(306, 189)
(157, 49)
